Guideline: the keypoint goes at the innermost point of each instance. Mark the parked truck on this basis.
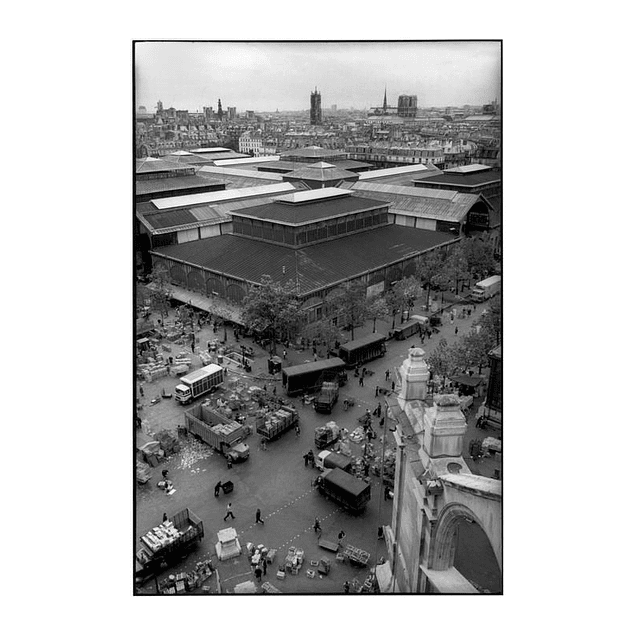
(167, 543)
(485, 289)
(327, 397)
(198, 382)
(326, 435)
(307, 378)
(326, 460)
(363, 350)
(347, 490)
(223, 434)
(273, 424)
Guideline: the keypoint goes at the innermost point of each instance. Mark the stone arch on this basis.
(214, 285)
(235, 293)
(177, 274)
(409, 269)
(445, 535)
(195, 280)
(393, 274)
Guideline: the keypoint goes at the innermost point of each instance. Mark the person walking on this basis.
(258, 518)
(315, 357)
(381, 422)
(229, 462)
(306, 459)
(297, 429)
(165, 517)
(229, 512)
(217, 488)
(387, 375)
(141, 391)
(192, 346)
(264, 564)
(340, 537)
(258, 572)
(376, 391)
(274, 391)
(284, 354)
(316, 526)
(347, 587)
(361, 380)
(386, 493)
(456, 330)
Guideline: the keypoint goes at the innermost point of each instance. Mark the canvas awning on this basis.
(205, 303)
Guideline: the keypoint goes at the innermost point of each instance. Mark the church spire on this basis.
(385, 100)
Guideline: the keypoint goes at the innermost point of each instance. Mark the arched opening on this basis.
(460, 542)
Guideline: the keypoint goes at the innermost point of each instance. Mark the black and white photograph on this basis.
(318, 317)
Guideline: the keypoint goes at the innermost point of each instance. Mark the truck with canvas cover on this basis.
(485, 289)
(327, 397)
(326, 435)
(167, 543)
(350, 492)
(363, 350)
(198, 382)
(273, 424)
(223, 434)
(328, 460)
(307, 378)
(407, 329)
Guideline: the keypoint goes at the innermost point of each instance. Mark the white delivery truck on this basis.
(198, 383)
(485, 289)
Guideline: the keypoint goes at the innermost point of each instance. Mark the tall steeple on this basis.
(385, 100)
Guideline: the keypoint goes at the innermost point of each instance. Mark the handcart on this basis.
(355, 556)
(227, 487)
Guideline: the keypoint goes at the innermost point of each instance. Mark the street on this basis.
(276, 480)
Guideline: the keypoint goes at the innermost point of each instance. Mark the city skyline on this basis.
(266, 76)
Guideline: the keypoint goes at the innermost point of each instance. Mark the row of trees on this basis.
(469, 351)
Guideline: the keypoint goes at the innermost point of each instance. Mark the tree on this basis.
(378, 308)
(491, 322)
(455, 267)
(160, 293)
(322, 331)
(407, 289)
(272, 308)
(441, 361)
(479, 256)
(349, 303)
(394, 303)
(429, 271)
(470, 351)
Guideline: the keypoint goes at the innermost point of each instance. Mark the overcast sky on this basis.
(265, 76)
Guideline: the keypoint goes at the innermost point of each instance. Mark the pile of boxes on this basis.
(161, 536)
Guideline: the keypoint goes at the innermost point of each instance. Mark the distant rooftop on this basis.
(190, 200)
(398, 171)
(210, 150)
(246, 160)
(465, 169)
(311, 196)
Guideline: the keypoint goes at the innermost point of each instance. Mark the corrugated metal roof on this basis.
(143, 187)
(312, 268)
(190, 200)
(421, 202)
(254, 175)
(290, 214)
(398, 171)
(208, 212)
(170, 219)
(181, 157)
(247, 160)
(466, 180)
(151, 164)
(321, 172)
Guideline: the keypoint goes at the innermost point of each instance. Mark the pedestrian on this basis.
(387, 375)
(456, 330)
(164, 474)
(217, 488)
(192, 346)
(393, 385)
(209, 347)
(303, 399)
(229, 512)
(258, 572)
(369, 435)
(297, 429)
(138, 421)
(381, 422)
(311, 458)
(264, 564)
(274, 390)
(386, 493)
(341, 537)
(378, 410)
(347, 587)
(361, 380)
(306, 459)
(364, 371)
(165, 517)
(284, 354)
(316, 525)
(141, 391)
(258, 518)
(376, 391)
(315, 357)
(229, 462)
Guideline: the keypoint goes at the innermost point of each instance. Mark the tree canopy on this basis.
(273, 309)
(349, 303)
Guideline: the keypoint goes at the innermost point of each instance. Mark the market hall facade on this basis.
(316, 240)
